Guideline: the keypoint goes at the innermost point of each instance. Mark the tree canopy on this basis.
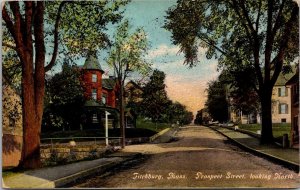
(217, 103)
(262, 34)
(126, 55)
(64, 100)
(34, 29)
(154, 99)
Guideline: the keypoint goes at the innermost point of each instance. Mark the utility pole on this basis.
(106, 127)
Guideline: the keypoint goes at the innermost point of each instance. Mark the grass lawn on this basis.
(140, 123)
(278, 128)
(143, 129)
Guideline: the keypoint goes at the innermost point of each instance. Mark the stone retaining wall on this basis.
(60, 155)
(65, 153)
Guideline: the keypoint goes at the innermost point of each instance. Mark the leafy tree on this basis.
(179, 114)
(263, 34)
(126, 56)
(64, 100)
(154, 99)
(188, 118)
(199, 119)
(216, 103)
(25, 32)
(240, 90)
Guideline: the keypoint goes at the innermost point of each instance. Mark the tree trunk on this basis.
(32, 119)
(122, 114)
(266, 114)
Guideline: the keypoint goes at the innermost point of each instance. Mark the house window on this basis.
(283, 108)
(282, 92)
(94, 118)
(94, 94)
(94, 78)
(283, 120)
(104, 99)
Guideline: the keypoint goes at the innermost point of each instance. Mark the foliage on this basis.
(126, 56)
(83, 24)
(127, 51)
(154, 98)
(279, 129)
(240, 90)
(262, 34)
(157, 106)
(201, 117)
(179, 114)
(216, 103)
(64, 100)
(198, 120)
(24, 29)
(12, 108)
(157, 127)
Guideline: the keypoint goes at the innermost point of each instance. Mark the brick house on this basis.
(101, 94)
(293, 85)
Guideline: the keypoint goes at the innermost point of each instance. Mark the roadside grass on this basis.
(143, 124)
(278, 129)
(143, 129)
(8, 173)
(129, 133)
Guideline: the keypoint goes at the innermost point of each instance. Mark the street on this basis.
(199, 157)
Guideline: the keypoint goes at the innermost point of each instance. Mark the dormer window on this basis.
(104, 97)
(94, 78)
(94, 94)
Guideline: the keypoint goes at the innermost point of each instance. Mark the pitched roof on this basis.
(92, 62)
(282, 79)
(293, 80)
(91, 103)
(134, 84)
(109, 83)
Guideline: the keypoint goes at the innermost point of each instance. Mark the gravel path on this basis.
(199, 158)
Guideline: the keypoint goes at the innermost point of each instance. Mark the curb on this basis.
(154, 137)
(164, 136)
(289, 165)
(101, 169)
(72, 178)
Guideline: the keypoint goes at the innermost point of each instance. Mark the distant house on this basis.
(133, 92)
(281, 105)
(293, 86)
(240, 115)
(281, 100)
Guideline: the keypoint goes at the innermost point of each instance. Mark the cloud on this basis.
(163, 50)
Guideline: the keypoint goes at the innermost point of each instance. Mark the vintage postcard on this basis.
(163, 94)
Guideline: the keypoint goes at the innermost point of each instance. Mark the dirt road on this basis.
(199, 158)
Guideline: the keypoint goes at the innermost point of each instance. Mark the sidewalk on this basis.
(58, 176)
(286, 156)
